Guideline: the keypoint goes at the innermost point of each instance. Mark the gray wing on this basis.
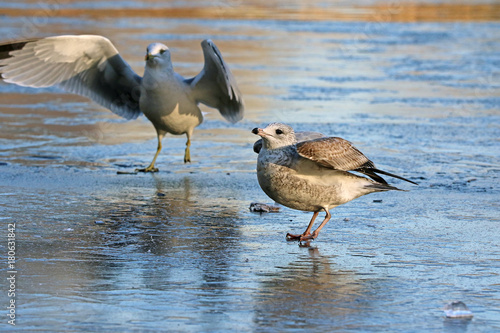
(85, 65)
(300, 136)
(216, 86)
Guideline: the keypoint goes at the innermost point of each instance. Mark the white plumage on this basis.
(91, 66)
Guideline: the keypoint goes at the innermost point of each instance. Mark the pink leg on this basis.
(291, 237)
(327, 218)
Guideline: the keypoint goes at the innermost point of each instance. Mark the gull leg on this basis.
(307, 233)
(151, 167)
(187, 154)
(316, 232)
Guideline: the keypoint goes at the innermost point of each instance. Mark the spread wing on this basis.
(85, 65)
(334, 153)
(216, 86)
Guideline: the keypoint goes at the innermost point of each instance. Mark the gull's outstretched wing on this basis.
(85, 65)
(216, 86)
(337, 153)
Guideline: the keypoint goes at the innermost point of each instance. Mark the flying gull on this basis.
(91, 66)
(314, 175)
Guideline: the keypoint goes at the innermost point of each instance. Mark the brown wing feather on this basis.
(335, 153)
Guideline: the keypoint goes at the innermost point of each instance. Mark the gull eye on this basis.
(278, 131)
(162, 51)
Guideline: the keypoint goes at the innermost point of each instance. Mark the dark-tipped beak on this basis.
(146, 58)
(259, 132)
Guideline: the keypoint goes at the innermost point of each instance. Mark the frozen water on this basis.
(180, 250)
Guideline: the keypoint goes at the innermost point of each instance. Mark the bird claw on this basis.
(291, 237)
(300, 238)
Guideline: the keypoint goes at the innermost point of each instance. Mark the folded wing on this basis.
(86, 65)
(216, 86)
(334, 153)
(337, 153)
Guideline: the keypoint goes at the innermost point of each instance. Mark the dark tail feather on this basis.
(383, 187)
(390, 175)
(372, 175)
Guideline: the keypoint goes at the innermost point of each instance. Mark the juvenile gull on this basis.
(91, 66)
(314, 175)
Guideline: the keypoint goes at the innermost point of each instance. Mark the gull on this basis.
(314, 175)
(90, 65)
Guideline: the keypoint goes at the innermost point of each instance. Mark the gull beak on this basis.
(259, 132)
(150, 56)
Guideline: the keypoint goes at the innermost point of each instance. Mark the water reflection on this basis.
(173, 221)
(455, 325)
(311, 292)
(171, 239)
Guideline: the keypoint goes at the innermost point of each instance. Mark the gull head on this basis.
(157, 54)
(276, 135)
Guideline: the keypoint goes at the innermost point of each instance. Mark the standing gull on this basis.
(314, 175)
(91, 66)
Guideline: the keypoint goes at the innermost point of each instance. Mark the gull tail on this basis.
(374, 170)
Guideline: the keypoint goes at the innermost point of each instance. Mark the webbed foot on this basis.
(300, 238)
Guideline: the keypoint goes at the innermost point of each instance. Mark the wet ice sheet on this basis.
(167, 249)
(181, 248)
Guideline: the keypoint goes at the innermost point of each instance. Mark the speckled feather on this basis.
(335, 153)
(313, 175)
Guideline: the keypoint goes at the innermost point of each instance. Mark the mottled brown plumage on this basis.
(313, 175)
(335, 153)
(339, 154)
